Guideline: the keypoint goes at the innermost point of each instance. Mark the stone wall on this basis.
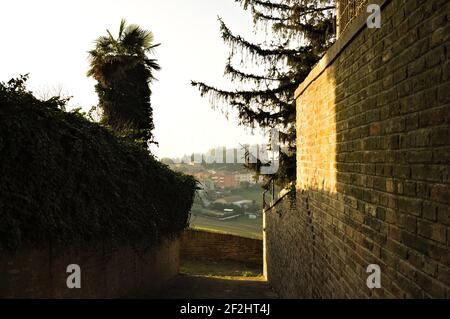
(105, 272)
(373, 155)
(211, 245)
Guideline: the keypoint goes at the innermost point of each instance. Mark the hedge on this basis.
(70, 181)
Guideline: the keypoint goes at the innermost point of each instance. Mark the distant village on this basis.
(228, 191)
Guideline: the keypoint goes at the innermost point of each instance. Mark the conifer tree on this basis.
(266, 73)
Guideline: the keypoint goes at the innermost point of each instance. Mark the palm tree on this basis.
(123, 72)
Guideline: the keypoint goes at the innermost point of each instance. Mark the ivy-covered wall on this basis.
(66, 180)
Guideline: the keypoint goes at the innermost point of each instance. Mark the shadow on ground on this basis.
(206, 279)
(207, 287)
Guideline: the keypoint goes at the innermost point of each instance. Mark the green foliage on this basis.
(266, 74)
(124, 72)
(66, 180)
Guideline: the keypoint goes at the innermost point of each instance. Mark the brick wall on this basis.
(373, 159)
(105, 272)
(210, 245)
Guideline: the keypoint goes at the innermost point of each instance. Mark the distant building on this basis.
(249, 178)
(243, 203)
(241, 178)
(224, 181)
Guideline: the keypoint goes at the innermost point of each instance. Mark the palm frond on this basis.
(123, 24)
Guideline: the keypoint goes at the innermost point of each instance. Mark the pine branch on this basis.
(236, 74)
(245, 95)
(259, 15)
(249, 116)
(317, 35)
(272, 6)
(253, 106)
(298, 12)
(255, 49)
(297, 7)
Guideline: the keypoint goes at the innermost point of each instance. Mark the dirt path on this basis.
(213, 279)
(186, 286)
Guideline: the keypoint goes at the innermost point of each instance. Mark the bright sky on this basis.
(50, 38)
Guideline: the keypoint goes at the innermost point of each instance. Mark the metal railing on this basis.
(347, 11)
(274, 194)
(269, 195)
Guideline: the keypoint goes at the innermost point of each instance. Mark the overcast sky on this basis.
(49, 39)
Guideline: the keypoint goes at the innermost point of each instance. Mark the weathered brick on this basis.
(410, 205)
(443, 215)
(409, 223)
(440, 136)
(401, 171)
(444, 274)
(424, 156)
(427, 172)
(433, 117)
(432, 230)
(409, 189)
(378, 192)
(422, 190)
(441, 155)
(444, 93)
(440, 36)
(440, 193)
(416, 67)
(432, 287)
(415, 242)
(108, 270)
(435, 57)
(429, 211)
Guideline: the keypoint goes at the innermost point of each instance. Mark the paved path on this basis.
(186, 286)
